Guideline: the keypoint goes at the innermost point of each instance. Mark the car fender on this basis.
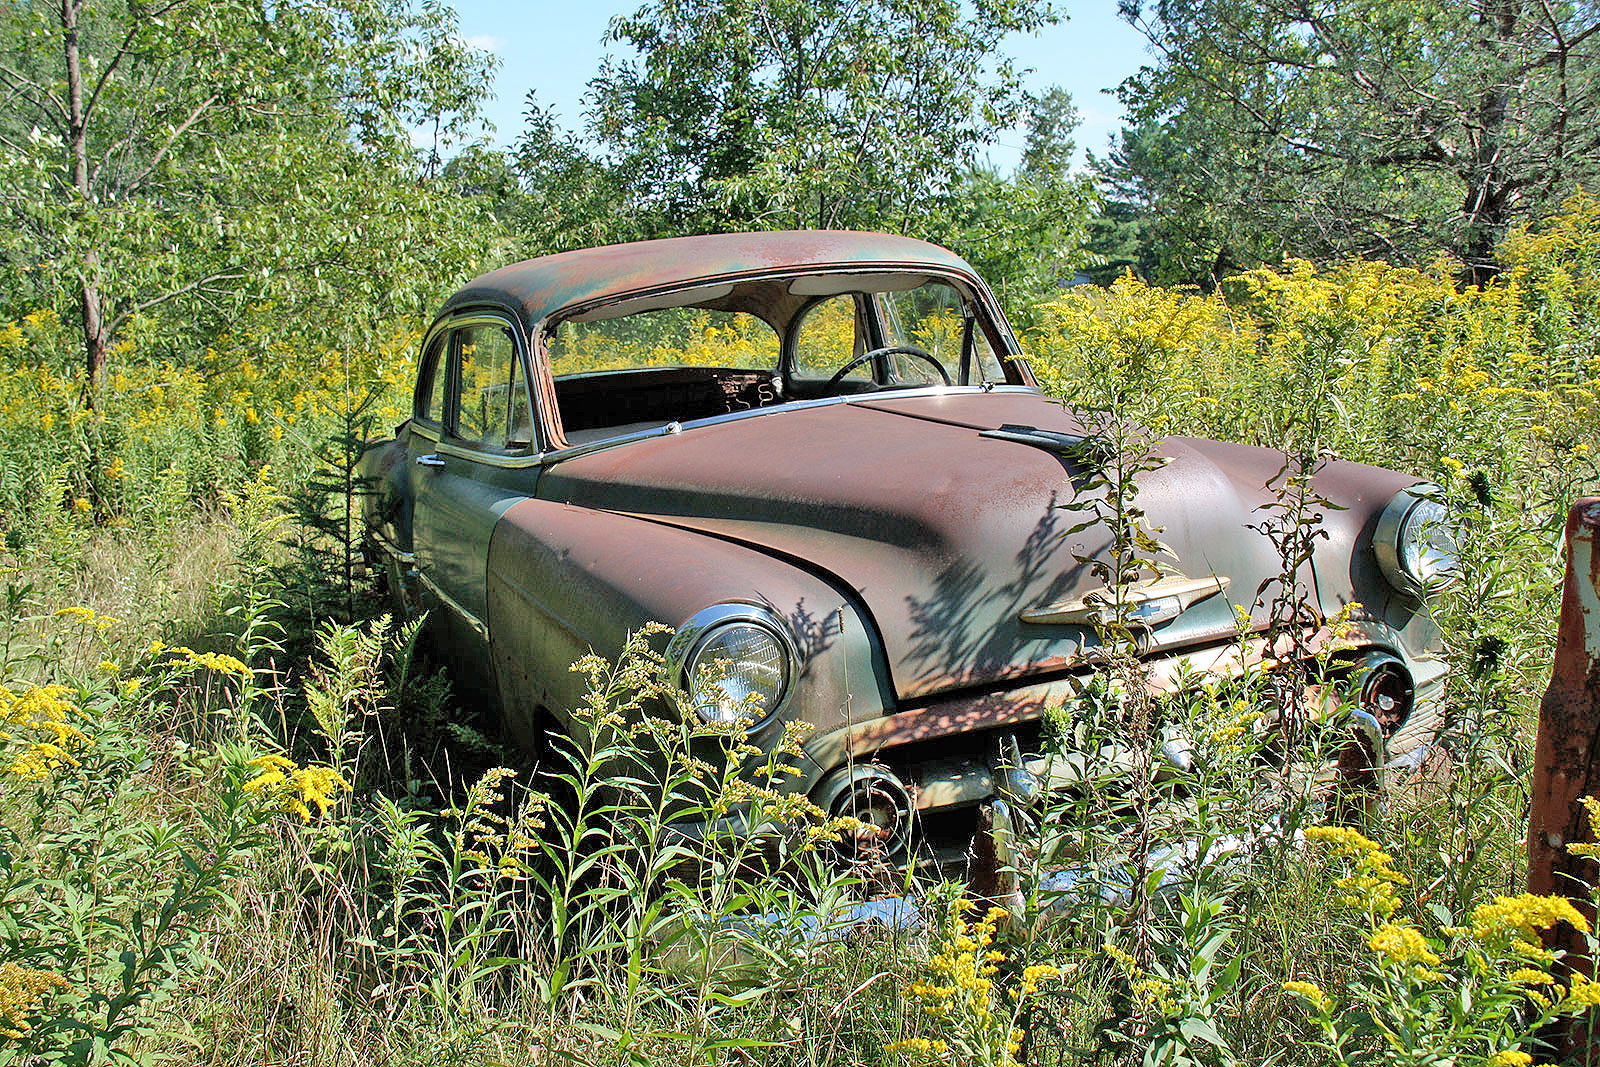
(564, 581)
(386, 493)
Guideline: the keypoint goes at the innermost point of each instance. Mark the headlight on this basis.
(739, 657)
(1415, 542)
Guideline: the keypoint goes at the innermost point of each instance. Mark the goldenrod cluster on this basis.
(1371, 884)
(38, 724)
(959, 992)
(240, 403)
(1225, 731)
(1405, 947)
(1312, 993)
(1152, 992)
(1519, 919)
(1510, 1057)
(210, 661)
(499, 844)
(21, 989)
(1582, 994)
(1462, 372)
(1587, 849)
(286, 786)
(87, 617)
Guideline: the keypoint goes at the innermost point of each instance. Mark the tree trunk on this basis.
(1486, 206)
(95, 339)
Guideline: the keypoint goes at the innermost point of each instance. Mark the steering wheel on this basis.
(887, 350)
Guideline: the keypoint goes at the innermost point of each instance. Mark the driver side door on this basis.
(479, 459)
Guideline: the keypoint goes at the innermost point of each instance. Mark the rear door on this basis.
(474, 454)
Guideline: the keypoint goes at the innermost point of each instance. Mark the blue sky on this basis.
(555, 48)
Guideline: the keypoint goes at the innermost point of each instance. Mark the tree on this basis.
(193, 156)
(1391, 128)
(805, 113)
(1025, 231)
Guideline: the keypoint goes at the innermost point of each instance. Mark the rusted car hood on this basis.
(943, 534)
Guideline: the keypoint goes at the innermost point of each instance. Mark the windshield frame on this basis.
(988, 319)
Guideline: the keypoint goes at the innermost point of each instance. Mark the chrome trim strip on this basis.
(1098, 604)
(455, 605)
(491, 459)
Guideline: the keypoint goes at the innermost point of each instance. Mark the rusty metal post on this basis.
(1566, 763)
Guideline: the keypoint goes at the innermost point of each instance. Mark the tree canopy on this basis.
(1326, 128)
(195, 157)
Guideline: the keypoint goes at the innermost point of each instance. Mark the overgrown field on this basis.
(241, 824)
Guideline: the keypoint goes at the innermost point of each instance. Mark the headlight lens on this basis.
(741, 670)
(1416, 542)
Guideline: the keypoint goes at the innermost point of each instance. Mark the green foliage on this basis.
(805, 114)
(163, 170)
(1363, 127)
(866, 116)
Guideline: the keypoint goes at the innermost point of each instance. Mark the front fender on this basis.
(564, 581)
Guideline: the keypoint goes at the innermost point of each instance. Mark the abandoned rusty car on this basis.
(821, 459)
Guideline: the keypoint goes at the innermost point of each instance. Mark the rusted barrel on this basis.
(1567, 757)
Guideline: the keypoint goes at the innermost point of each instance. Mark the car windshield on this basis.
(830, 321)
(664, 337)
(718, 349)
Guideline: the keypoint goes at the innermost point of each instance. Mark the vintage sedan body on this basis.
(816, 455)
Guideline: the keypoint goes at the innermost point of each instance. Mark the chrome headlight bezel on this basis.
(692, 638)
(1416, 542)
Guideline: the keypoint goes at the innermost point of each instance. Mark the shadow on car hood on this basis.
(945, 535)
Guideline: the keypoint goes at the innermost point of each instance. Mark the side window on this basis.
(432, 379)
(830, 335)
(492, 410)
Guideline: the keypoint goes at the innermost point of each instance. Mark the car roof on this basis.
(537, 288)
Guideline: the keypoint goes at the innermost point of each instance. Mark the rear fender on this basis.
(386, 493)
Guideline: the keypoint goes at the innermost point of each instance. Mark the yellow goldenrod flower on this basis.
(46, 714)
(286, 786)
(1402, 945)
(1585, 848)
(1510, 1057)
(917, 1047)
(87, 617)
(1311, 992)
(1582, 995)
(21, 990)
(1529, 976)
(1370, 887)
(1521, 918)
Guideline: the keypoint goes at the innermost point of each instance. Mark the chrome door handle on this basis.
(432, 459)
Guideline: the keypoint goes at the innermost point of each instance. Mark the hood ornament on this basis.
(1147, 604)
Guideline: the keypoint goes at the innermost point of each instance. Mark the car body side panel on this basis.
(386, 493)
(564, 581)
